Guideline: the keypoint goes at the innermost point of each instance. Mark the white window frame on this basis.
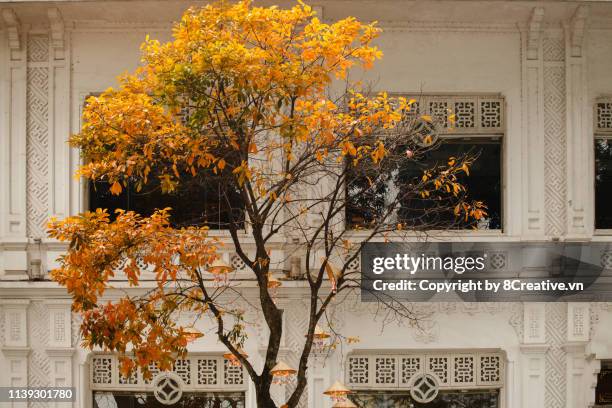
(402, 383)
(458, 132)
(600, 132)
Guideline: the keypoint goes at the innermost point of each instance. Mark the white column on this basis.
(533, 128)
(13, 241)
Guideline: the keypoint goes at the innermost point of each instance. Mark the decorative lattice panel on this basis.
(474, 114)
(232, 374)
(440, 110)
(358, 370)
(439, 365)
(463, 370)
(465, 113)
(385, 372)
(196, 372)
(182, 368)
(131, 379)
(497, 260)
(102, 370)
(207, 371)
(490, 369)
(409, 367)
(154, 370)
(603, 116)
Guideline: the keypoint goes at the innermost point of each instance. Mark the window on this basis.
(205, 199)
(201, 200)
(202, 380)
(603, 391)
(188, 400)
(478, 131)
(603, 163)
(445, 399)
(435, 379)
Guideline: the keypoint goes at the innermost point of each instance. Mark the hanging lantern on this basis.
(347, 403)
(233, 359)
(219, 268)
(191, 334)
(282, 373)
(338, 392)
(319, 338)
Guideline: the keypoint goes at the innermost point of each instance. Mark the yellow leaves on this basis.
(243, 172)
(379, 152)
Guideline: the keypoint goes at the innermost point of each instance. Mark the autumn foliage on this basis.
(241, 93)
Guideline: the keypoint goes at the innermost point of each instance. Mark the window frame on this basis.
(599, 133)
(475, 132)
(84, 183)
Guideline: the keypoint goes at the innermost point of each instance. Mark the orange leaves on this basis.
(131, 245)
(116, 188)
(98, 247)
(126, 133)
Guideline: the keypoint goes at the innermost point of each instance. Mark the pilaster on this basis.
(533, 127)
(12, 137)
(579, 129)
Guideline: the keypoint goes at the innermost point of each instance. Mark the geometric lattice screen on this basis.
(603, 116)
(465, 370)
(474, 114)
(197, 372)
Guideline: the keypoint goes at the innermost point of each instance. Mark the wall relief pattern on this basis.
(555, 135)
(37, 136)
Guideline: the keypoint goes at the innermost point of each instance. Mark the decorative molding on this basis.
(37, 136)
(556, 366)
(39, 365)
(578, 322)
(555, 135)
(578, 29)
(59, 324)
(197, 371)
(452, 370)
(534, 32)
(13, 28)
(534, 320)
(15, 318)
(56, 23)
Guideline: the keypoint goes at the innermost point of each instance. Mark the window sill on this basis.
(461, 235)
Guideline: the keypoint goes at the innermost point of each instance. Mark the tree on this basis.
(257, 101)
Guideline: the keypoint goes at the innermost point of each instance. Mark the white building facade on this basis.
(536, 77)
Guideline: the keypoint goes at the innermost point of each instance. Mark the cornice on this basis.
(60, 351)
(16, 351)
(536, 348)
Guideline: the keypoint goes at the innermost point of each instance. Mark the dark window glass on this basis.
(147, 400)
(603, 392)
(445, 399)
(483, 184)
(603, 183)
(205, 199)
